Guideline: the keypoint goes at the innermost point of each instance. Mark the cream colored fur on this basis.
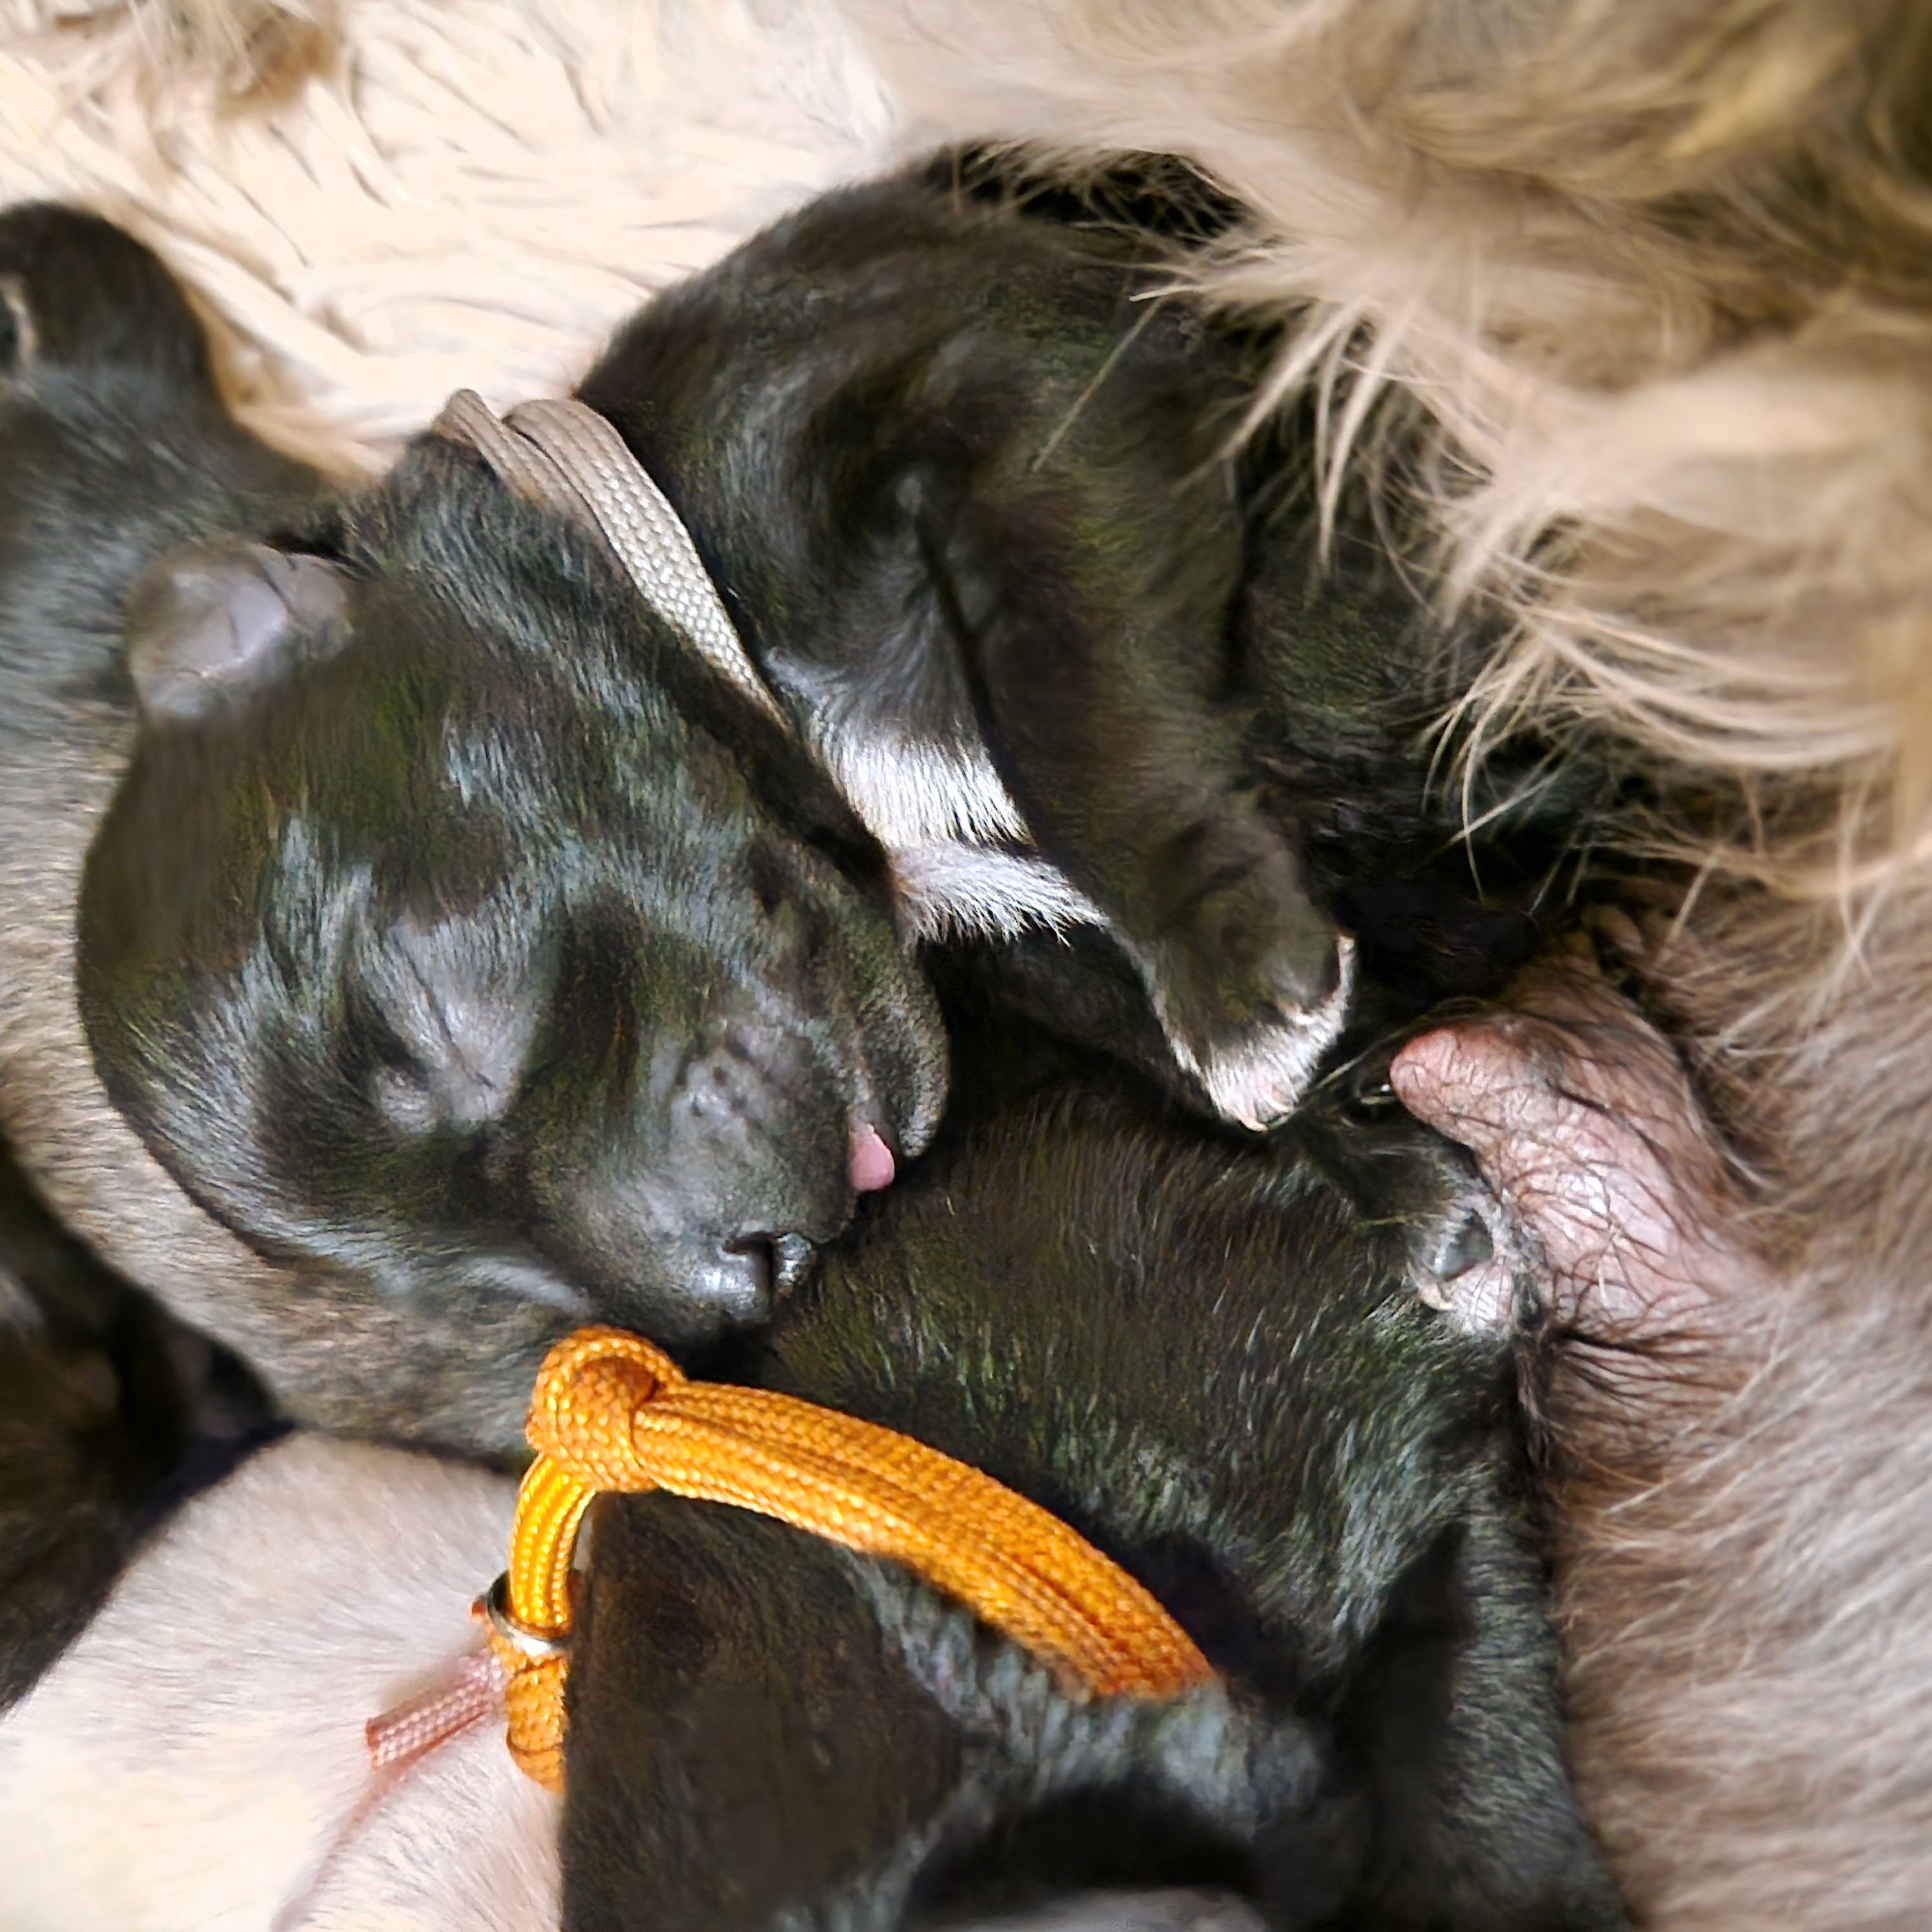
(1655, 279)
(469, 193)
(196, 1761)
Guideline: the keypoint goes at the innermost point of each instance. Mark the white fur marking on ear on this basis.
(950, 891)
(190, 1761)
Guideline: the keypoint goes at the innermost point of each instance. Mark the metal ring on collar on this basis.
(520, 1636)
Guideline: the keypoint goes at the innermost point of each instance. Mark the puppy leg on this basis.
(1097, 614)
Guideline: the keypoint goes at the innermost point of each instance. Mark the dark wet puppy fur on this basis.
(1213, 1357)
(542, 983)
(963, 466)
(495, 977)
(487, 963)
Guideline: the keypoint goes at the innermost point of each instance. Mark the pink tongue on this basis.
(870, 1167)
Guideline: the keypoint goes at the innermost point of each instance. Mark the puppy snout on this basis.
(743, 1084)
(736, 1282)
(759, 1130)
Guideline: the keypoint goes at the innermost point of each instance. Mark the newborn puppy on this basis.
(471, 960)
(197, 1758)
(965, 476)
(1275, 1381)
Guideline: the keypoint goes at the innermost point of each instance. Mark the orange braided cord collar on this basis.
(613, 1412)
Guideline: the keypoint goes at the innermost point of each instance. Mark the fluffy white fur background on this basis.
(1564, 225)
(472, 192)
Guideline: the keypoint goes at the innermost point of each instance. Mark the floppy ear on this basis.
(211, 626)
(81, 294)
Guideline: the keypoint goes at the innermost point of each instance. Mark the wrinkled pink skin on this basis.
(1581, 1120)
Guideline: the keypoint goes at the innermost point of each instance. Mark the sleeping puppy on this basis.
(491, 961)
(962, 465)
(1275, 1380)
(501, 975)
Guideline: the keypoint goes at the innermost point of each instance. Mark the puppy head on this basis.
(439, 935)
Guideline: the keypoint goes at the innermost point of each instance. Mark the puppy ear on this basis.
(81, 294)
(211, 626)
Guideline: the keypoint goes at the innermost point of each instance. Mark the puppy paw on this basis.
(1252, 989)
(1255, 1076)
(1581, 1118)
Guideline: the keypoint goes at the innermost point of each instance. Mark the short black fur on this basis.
(488, 964)
(1210, 1357)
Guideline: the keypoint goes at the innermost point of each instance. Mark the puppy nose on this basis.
(747, 1275)
(735, 1282)
(784, 1258)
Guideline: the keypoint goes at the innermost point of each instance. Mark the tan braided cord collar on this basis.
(562, 453)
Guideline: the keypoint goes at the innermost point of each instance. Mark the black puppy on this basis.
(490, 961)
(1275, 1381)
(964, 476)
(453, 940)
